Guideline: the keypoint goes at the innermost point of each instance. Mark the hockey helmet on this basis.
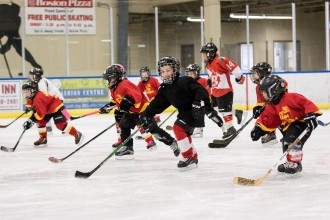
(259, 71)
(31, 87)
(36, 74)
(210, 50)
(172, 62)
(145, 73)
(274, 86)
(193, 68)
(113, 75)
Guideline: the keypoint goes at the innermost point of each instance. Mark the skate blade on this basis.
(40, 146)
(190, 167)
(126, 157)
(81, 140)
(269, 143)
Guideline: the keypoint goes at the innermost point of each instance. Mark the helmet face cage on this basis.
(172, 62)
(145, 73)
(32, 87)
(36, 74)
(274, 87)
(193, 68)
(113, 75)
(210, 50)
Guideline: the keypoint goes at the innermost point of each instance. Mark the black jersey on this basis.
(180, 94)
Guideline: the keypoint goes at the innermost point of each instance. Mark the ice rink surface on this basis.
(151, 187)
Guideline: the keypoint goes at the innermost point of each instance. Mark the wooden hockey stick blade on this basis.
(6, 149)
(54, 160)
(250, 182)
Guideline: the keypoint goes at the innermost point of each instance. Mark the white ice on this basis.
(151, 187)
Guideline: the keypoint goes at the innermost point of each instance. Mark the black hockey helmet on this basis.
(210, 50)
(193, 68)
(172, 62)
(113, 75)
(36, 74)
(32, 87)
(262, 69)
(146, 76)
(274, 86)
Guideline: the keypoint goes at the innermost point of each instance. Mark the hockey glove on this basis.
(311, 121)
(257, 110)
(126, 103)
(257, 132)
(147, 123)
(209, 82)
(213, 115)
(28, 124)
(107, 108)
(240, 80)
(28, 109)
(197, 110)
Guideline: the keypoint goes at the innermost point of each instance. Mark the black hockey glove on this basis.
(257, 132)
(257, 110)
(28, 109)
(126, 103)
(107, 108)
(213, 115)
(147, 123)
(311, 121)
(197, 110)
(28, 124)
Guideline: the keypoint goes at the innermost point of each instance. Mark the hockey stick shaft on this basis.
(6, 61)
(87, 114)
(55, 160)
(79, 174)
(168, 117)
(256, 182)
(4, 126)
(5, 149)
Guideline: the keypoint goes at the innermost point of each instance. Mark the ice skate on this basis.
(290, 168)
(198, 133)
(176, 150)
(41, 142)
(151, 145)
(230, 132)
(187, 163)
(78, 138)
(125, 153)
(269, 139)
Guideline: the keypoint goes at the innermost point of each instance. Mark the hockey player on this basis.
(129, 100)
(149, 86)
(291, 110)
(219, 69)
(45, 107)
(185, 94)
(193, 71)
(257, 73)
(44, 85)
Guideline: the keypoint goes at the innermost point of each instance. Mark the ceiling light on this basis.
(196, 19)
(260, 16)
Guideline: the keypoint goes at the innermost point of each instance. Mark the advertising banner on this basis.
(53, 17)
(10, 95)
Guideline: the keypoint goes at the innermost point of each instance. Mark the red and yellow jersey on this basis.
(150, 87)
(127, 88)
(291, 108)
(203, 82)
(219, 72)
(44, 104)
(260, 99)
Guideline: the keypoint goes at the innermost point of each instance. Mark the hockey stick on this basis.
(6, 61)
(7, 149)
(256, 182)
(81, 116)
(55, 160)
(324, 124)
(4, 126)
(83, 175)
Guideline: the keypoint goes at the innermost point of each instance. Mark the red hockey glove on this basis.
(240, 80)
